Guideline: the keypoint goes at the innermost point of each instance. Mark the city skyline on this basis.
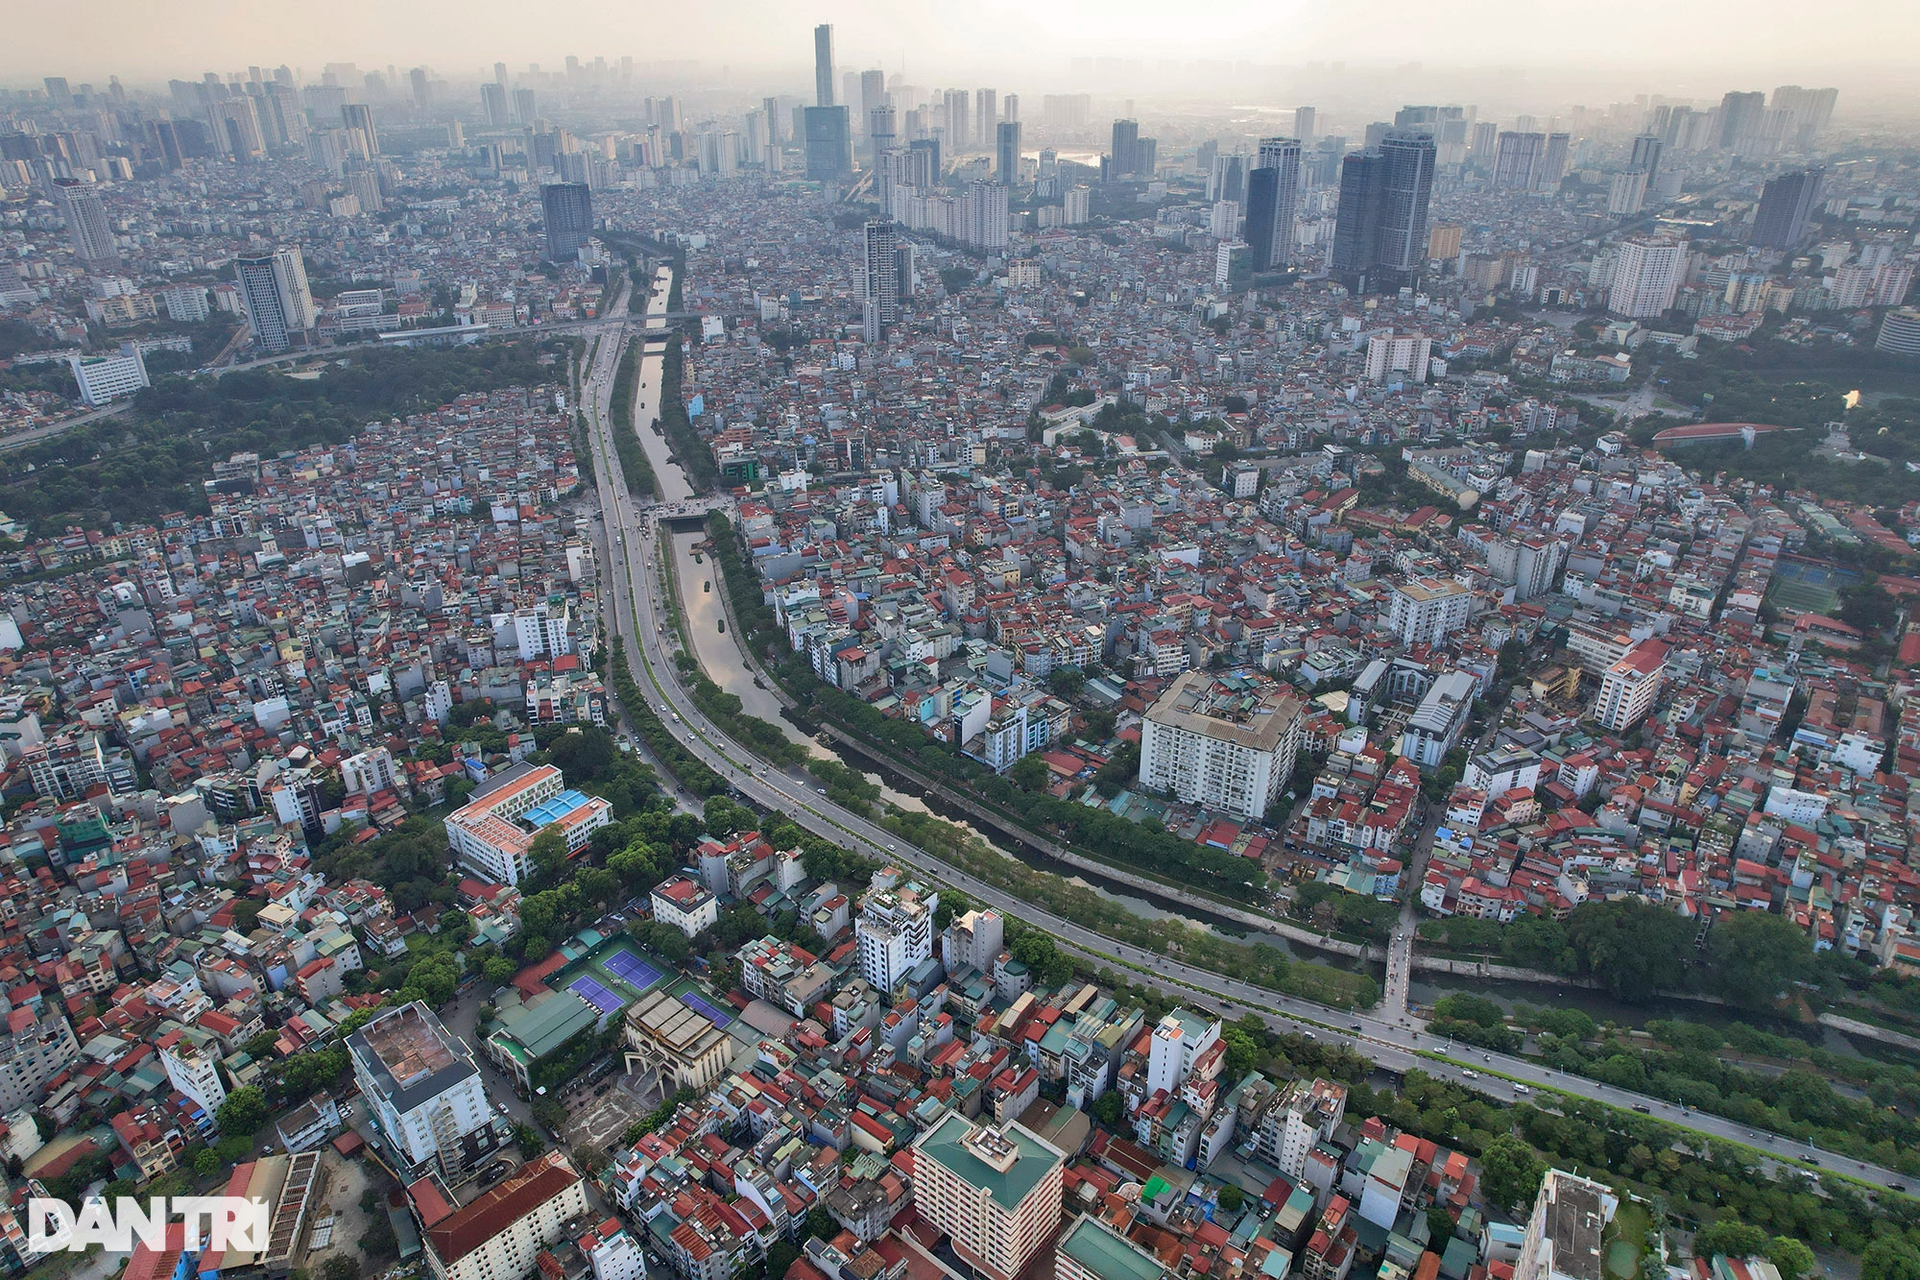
(1509, 46)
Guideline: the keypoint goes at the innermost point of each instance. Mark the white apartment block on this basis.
(685, 904)
(32, 1056)
(894, 931)
(493, 832)
(501, 1233)
(190, 1064)
(1428, 610)
(1564, 1232)
(1647, 273)
(421, 1086)
(994, 1192)
(1407, 353)
(105, 378)
(1630, 685)
(1223, 742)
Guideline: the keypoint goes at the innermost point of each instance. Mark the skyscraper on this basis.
(1517, 161)
(829, 144)
(873, 92)
(959, 121)
(1646, 155)
(823, 65)
(1303, 124)
(986, 106)
(1811, 109)
(879, 280)
(525, 108)
(881, 132)
(273, 290)
(1273, 194)
(1010, 107)
(986, 216)
(1126, 144)
(1740, 115)
(1481, 151)
(1553, 164)
(86, 223)
(568, 210)
(1786, 202)
(1007, 152)
(493, 105)
(1380, 229)
(422, 87)
(358, 117)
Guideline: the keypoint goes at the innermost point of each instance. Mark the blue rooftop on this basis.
(555, 809)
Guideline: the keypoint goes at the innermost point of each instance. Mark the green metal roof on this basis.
(546, 1026)
(1096, 1246)
(1034, 1159)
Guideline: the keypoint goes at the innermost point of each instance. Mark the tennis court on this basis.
(631, 969)
(596, 995)
(701, 1005)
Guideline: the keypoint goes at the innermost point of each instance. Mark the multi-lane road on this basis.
(635, 609)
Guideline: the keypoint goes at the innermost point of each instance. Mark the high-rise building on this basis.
(986, 216)
(493, 105)
(358, 117)
(1223, 747)
(1566, 1232)
(189, 1058)
(873, 92)
(567, 208)
(506, 1229)
(894, 932)
(525, 107)
(108, 377)
(274, 293)
(986, 108)
(1380, 228)
(1787, 201)
(420, 1084)
(1304, 119)
(1006, 168)
(823, 65)
(1517, 159)
(236, 128)
(1628, 193)
(1010, 107)
(1227, 179)
(1553, 163)
(881, 133)
(959, 121)
(1428, 610)
(1628, 688)
(1122, 158)
(1484, 146)
(829, 144)
(879, 280)
(1810, 110)
(1740, 119)
(1900, 332)
(1078, 202)
(1647, 272)
(422, 87)
(86, 220)
(993, 1192)
(1273, 194)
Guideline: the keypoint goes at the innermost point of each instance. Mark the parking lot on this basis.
(602, 1110)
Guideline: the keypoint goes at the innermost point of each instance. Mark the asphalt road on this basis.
(1392, 1039)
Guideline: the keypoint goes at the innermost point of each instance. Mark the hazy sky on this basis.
(1650, 44)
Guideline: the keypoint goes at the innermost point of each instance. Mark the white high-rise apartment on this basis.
(421, 1085)
(1428, 610)
(273, 289)
(1398, 353)
(1225, 742)
(189, 1063)
(1630, 685)
(504, 1230)
(879, 280)
(894, 931)
(1647, 272)
(104, 378)
(1179, 1038)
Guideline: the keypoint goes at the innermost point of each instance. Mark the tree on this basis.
(1231, 1198)
(780, 1256)
(206, 1162)
(1890, 1258)
(340, 1266)
(1439, 1227)
(1037, 951)
(1869, 607)
(1029, 772)
(1106, 1109)
(499, 970)
(1634, 947)
(1730, 1238)
(547, 852)
(1756, 956)
(819, 1225)
(1790, 1257)
(1510, 1172)
(243, 1113)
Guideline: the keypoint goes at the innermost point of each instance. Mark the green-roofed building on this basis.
(1091, 1250)
(530, 1032)
(994, 1192)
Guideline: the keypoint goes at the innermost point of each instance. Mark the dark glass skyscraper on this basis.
(1380, 231)
(1007, 152)
(568, 209)
(829, 144)
(1786, 202)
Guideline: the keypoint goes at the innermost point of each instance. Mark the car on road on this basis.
(1469, 1073)
(1810, 1160)
(1522, 1089)
(1309, 1035)
(1356, 1027)
(1643, 1108)
(1897, 1186)
(890, 849)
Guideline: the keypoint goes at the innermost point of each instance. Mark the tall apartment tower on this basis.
(1517, 160)
(1006, 169)
(1304, 119)
(823, 65)
(873, 92)
(1126, 146)
(1740, 119)
(1553, 164)
(358, 116)
(86, 223)
(1786, 202)
(273, 289)
(881, 132)
(959, 121)
(526, 107)
(493, 104)
(1646, 155)
(1646, 276)
(1273, 195)
(879, 280)
(568, 210)
(1380, 228)
(986, 108)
